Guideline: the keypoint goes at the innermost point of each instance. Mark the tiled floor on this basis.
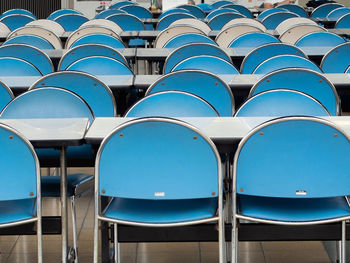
(22, 249)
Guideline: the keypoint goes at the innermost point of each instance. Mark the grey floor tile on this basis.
(244, 257)
(175, 257)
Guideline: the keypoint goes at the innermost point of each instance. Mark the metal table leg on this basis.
(64, 207)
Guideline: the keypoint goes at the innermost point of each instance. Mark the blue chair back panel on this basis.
(343, 22)
(205, 7)
(18, 12)
(188, 38)
(121, 4)
(106, 13)
(173, 11)
(218, 21)
(220, 3)
(336, 60)
(306, 158)
(102, 39)
(253, 40)
(285, 61)
(31, 40)
(172, 104)
(279, 103)
(194, 10)
(320, 39)
(163, 146)
(306, 81)
(268, 12)
(220, 11)
(323, 10)
(208, 63)
(16, 21)
(338, 13)
(240, 8)
(18, 164)
(71, 22)
(17, 67)
(296, 9)
(33, 55)
(137, 11)
(191, 50)
(6, 95)
(96, 94)
(273, 20)
(203, 84)
(168, 19)
(60, 12)
(260, 54)
(98, 65)
(83, 51)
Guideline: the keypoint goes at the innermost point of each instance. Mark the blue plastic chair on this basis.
(205, 7)
(343, 22)
(194, 10)
(20, 198)
(99, 65)
(240, 8)
(323, 10)
(16, 21)
(29, 53)
(212, 64)
(253, 40)
(158, 191)
(164, 22)
(303, 80)
(273, 20)
(285, 61)
(337, 59)
(71, 22)
(220, 3)
(296, 9)
(201, 83)
(315, 39)
(191, 50)
(101, 39)
(31, 40)
(218, 21)
(87, 50)
(173, 11)
(188, 38)
(11, 66)
(268, 12)
(302, 171)
(338, 13)
(18, 12)
(6, 95)
(260, 54)
(220, 11)
(60, 12)
(120, 4)
(138, 11)
(106, 13)
(280, 103)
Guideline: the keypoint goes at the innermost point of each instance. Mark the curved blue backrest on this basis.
(220, 3)
(304, 154)
(279, 103)
(164, 22)
(96, 94)
(205, 7)
(71, 22)
(296, 9)
(268, 12)
(28, 53)
(138, 11)
(260, 54)
(16, 21)
(172, 104)
(173, 11)
(336, 60)
(253, 40)
(102, 39)
(127, 22)
(343, 22)
(203, 84)
(98, 65)
(6, 95)
(191, 50)
(188, 38)
(338, 13)
(32, 40)
(18, 12)
(220, 11)
(218, 21)
(273, 20)
(109, 12)
(17, 67)
(315, 39)
(19, 166)
(212, 64)
(240, 8)
(194, 10)
(285, 61)
(87, 50)
(165, 144)
(121, 4)
(323, 10)
(60, 12)
(303, 80)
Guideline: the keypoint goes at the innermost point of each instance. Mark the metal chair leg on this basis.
(116, 245)
(74, 225)
(343, 242)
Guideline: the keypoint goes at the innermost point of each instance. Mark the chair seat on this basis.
(293, 209)
(76, 184)
(161, 211)
(17, 210)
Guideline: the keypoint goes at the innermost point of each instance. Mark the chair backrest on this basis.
(337, 59)
(99, 65)
(172, 104)
(158, 175)
(87, 50)
(96, 94)
(32, 40)
(292, 164)
(48, 24)
(203, 84)
(11, 66)
(220, 11)
(240, 8)
(260, 54)
(120, 4)
(343, 22)
(292, 22)
(105, 23)
(29, 53)
(16, 21)
(167, 20)
(4, 29)
(285, 61)
(293, 34)
(138, 11)
(173, 11)
(192, 22)
(212, 64)
(60, 12)
(188, 38)
(191, 50)
(6, 95)
(245, 21)
(106, 13)
(323, 10)
(17, 12)
(273, 20)
(253, 40)
(268, 12)
(205, 7)
(71, 22)
(303, 80)
(127, 22)
(317, 39)
(220, 3)
(280, 103)
(296, 9)
(194, 10)
(101, 39)
(218, 21)
(338, 13)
